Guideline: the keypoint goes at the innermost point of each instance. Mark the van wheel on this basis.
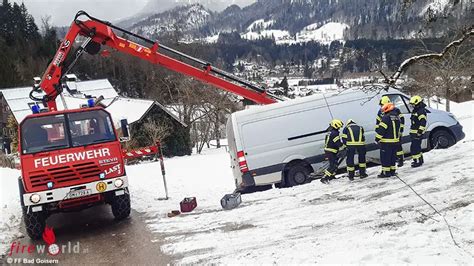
(441, 139)
(297, 175)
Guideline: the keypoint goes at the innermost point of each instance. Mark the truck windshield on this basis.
(66, 130)
(90, 127)
(44, 133)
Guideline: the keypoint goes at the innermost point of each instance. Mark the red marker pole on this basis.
(162, 165)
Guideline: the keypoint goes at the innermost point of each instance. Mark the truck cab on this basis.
(70, 160)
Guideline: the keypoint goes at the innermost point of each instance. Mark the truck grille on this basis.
(65, 175)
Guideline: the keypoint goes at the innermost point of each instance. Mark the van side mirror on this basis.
(125, 130)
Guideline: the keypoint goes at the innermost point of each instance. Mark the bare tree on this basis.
(202, 132)
(447, 76)
(156, 131)
(465, 35)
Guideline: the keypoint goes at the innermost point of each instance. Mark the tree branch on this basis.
(469, 32)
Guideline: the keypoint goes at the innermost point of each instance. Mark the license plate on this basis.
(79, 193)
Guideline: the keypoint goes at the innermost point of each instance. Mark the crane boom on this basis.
(98, 32)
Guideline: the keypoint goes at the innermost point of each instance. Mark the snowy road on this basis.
(96, 238)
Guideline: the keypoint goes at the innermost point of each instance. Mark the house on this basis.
(138, 112)
(4, 133)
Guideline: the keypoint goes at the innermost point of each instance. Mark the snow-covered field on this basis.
(325, 34)
(10, 211)
(367, 221)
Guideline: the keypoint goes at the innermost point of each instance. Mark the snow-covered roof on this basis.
(94, 88)
(120, 107)
(18, 99)
(135, 109)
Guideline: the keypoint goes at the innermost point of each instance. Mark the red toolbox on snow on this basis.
(188, 204)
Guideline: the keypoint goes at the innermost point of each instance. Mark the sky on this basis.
(62, 11)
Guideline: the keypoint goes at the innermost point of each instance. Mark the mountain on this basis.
(158, 6)
(290, 21)
(185, 20)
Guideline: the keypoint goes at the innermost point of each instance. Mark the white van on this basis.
(283, 143)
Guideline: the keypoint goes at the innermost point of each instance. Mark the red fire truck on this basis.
(72, 159)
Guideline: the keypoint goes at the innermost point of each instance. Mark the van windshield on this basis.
(399, 102)
(47, 133)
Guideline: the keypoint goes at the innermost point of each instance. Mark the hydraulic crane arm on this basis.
(98, 32)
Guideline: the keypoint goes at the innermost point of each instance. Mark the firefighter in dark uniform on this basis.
(400, 154)
(417, 129)
(384, 100)
(388, 137)
(331, 147)
(354, 139)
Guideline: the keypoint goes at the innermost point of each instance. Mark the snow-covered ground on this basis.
(367, 221)
(325, 34)
(259, 29)
(436, 6)
(332, 31)
(278, 35)
(10, 211)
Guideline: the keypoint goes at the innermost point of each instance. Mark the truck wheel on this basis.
(34, 223)
(441, 139)
(297, 175)
(121, 206)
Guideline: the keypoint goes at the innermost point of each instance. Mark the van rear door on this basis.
(234, 163)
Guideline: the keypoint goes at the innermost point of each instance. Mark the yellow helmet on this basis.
(336, 123)
(384, 100)
(416, 100)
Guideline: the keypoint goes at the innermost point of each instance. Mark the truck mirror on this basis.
(125, 130)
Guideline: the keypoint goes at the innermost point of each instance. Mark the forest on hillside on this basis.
(25, 47)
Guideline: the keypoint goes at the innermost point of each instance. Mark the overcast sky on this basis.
(62, 11)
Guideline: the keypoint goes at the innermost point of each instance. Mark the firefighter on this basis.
(331, 148)
(417, 129)
(384, 100)
(354, 140)
(388, 137)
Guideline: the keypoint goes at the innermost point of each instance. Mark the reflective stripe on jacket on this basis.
(389, 128)
(332, 142)
(352, 135)
(400, 115)
(418, 120)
